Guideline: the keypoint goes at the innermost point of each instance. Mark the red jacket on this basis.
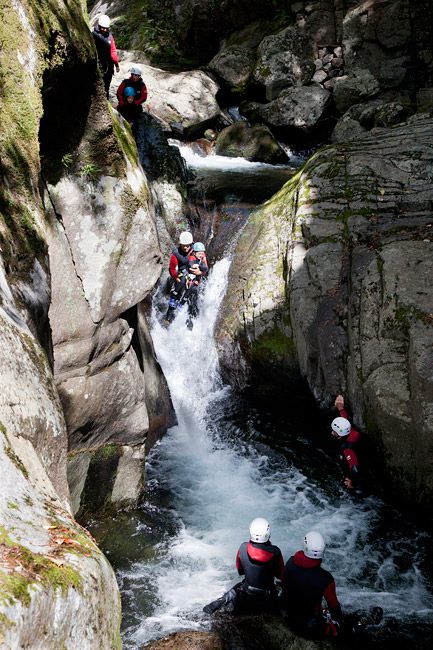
(329, 593)
(140, 91)
(352, 439)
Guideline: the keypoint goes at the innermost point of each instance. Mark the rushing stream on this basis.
(227, 462)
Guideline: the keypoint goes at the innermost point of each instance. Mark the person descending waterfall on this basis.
(304, 584)
(106, 50)
(348, 439)
(129, 110)
(196, 260)
(179, 267)
(261, 563)
(136, 82)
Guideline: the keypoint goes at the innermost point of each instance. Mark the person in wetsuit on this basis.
(261, 563)
(304, 584)
(136, 82)
(129, 110)
(348, 439)
(106, 50)
(196, 261)
(179, 267)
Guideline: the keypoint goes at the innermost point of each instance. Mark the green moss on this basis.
(16, 461)
(273, 344)
(12, 505)
(404, 314)
(107, 451)
(125, 137)
(5, 624)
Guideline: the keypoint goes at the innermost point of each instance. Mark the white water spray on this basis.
(216, 488)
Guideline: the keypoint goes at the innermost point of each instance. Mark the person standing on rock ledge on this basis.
(106, 50)
(348, 439)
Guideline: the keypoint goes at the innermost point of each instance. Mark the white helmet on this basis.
(314, 545)
(341, 426)
(104, 21)
(135, 70)
(260, 530)
(185, 238)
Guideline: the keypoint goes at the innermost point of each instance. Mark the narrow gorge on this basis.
(295, 140)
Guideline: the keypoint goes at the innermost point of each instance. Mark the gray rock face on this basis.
(105, 258)
(284, 59)
(350, 89)
(300, 107)
(57, 589)
(353, 231)
(234, 65)
(255, 143)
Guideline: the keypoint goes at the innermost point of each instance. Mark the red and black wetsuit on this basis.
(140, 91)
(107, 55)
(346, 452)
(178, 262)
(260, 564)
(304, 585)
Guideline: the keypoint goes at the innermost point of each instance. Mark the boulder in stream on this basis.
(254, 143)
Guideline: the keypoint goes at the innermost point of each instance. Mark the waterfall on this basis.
(210, 485)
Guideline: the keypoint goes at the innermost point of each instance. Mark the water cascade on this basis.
(207, 480)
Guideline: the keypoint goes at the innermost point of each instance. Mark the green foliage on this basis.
(89, 171)
(67, 160)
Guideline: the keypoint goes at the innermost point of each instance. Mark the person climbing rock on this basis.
(106, 50)
(178, 268)
(129, 109)
(304, 584)
(136, 82)
(348, 438)
(196, 262)
(261, 563)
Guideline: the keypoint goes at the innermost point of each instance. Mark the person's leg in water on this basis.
(176, 295)
(191, 298)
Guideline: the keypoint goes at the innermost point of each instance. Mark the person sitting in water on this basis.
(136, 82)
(129, 110)
(261, 563)
(348, 438)
(304, 584)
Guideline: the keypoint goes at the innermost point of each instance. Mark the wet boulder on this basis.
(187, 641)
(254, 143)
(284, 59)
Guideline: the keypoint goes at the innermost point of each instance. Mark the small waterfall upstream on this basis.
(207, 479)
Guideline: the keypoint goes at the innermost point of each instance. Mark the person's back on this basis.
(304, 584)
(261, 563)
